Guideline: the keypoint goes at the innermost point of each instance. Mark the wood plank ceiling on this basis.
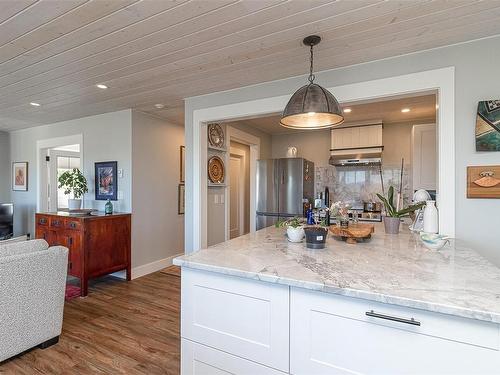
(54, 52)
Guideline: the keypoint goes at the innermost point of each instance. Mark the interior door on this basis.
(236, 208)
(290, 183)
(60, 161)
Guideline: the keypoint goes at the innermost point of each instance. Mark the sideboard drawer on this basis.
(198, 359)
(73, 224)
(327, 329)
(57, 222)
(42, 220)
(239, 316)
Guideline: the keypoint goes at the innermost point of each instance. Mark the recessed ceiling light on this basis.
(159, 106)
(101, 86)
(347, 110)
(35, 104)
(405, 110)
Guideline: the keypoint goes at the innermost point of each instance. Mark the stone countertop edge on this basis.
(348, 292)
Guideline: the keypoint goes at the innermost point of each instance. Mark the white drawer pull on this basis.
(411, 321)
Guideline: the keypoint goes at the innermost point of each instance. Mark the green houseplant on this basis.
(294, 228)
(73, 182)
(392, 217)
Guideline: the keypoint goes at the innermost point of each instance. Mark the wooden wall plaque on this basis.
(483, 181)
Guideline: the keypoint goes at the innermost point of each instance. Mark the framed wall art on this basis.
(20, 176)
(181, 204)
(106, 180)
(488, 126)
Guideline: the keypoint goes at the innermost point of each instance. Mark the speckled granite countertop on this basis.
(394, 269)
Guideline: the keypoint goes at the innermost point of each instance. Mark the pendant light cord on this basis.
(311, 75)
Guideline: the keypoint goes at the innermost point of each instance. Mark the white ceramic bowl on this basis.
(295, 234)
(434, 241)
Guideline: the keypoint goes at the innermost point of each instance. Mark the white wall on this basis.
(5, 167)
(157, 229)
(265, 138)
(313, 145)
(106, 137)
(475, 80)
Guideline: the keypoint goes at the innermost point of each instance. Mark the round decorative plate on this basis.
(215, 135)
(216, 170)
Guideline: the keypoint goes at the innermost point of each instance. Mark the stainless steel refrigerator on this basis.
(282, 185)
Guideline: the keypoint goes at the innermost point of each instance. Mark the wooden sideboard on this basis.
(98, 244)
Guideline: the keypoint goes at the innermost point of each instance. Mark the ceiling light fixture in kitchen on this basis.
(312, 106)
(405, 110)
(102, 86)
(347, 110)
(35, 104)
(159, 106)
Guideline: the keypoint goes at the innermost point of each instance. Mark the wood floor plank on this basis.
(120, 328)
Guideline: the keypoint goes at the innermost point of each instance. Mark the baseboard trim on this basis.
(148, 268)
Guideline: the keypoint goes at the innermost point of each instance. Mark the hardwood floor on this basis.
(120, 328)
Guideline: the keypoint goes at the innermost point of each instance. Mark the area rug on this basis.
(72, 292)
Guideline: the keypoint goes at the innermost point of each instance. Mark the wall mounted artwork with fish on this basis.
(488, 126)
(483, 181)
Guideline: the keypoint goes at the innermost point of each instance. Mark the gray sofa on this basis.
(32, 287)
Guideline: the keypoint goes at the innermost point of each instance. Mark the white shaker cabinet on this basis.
(198, 359)
(242, 317)
(332, 334)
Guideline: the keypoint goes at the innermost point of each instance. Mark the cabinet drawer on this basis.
(56, 222)
(242, 317)
(199, 359)
(72, 224)
(42, 220)
(332, 334)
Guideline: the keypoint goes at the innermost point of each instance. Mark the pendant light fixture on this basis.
(312, 106)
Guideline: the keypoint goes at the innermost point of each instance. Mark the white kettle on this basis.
(291, 152)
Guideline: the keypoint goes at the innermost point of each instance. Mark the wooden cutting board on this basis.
(353, 233)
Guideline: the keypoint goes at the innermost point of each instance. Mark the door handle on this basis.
(411, 321)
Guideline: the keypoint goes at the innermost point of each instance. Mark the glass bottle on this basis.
(108, 207)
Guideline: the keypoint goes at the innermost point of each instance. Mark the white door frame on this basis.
(253, 142)
(41, 146)
(54, 154)
(440, 80)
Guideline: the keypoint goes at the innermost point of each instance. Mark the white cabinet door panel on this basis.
(424, 157)
(246, 318)
(333, 335)
(198, 359)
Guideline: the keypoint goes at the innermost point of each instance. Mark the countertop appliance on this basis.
(282, 187)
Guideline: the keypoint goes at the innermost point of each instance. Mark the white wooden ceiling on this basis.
(161, 51)
(388, 110)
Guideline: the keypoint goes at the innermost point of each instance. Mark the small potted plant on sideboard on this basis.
(392, 218)
(73, 182)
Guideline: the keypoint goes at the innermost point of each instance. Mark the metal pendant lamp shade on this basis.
(312, 106)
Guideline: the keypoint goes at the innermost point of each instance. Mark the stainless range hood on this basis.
(358, 156)
(357, 145)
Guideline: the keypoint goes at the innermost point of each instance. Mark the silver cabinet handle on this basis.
(411, 321)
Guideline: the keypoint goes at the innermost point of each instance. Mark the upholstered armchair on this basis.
(32, 287)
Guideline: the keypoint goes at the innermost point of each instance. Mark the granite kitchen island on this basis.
(259, 304)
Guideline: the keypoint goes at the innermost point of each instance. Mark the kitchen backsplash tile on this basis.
(355, 184)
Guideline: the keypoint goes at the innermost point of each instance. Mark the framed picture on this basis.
(181, 199)
(183, 164)
(488, 126)
(20, 176)
(106, 181)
